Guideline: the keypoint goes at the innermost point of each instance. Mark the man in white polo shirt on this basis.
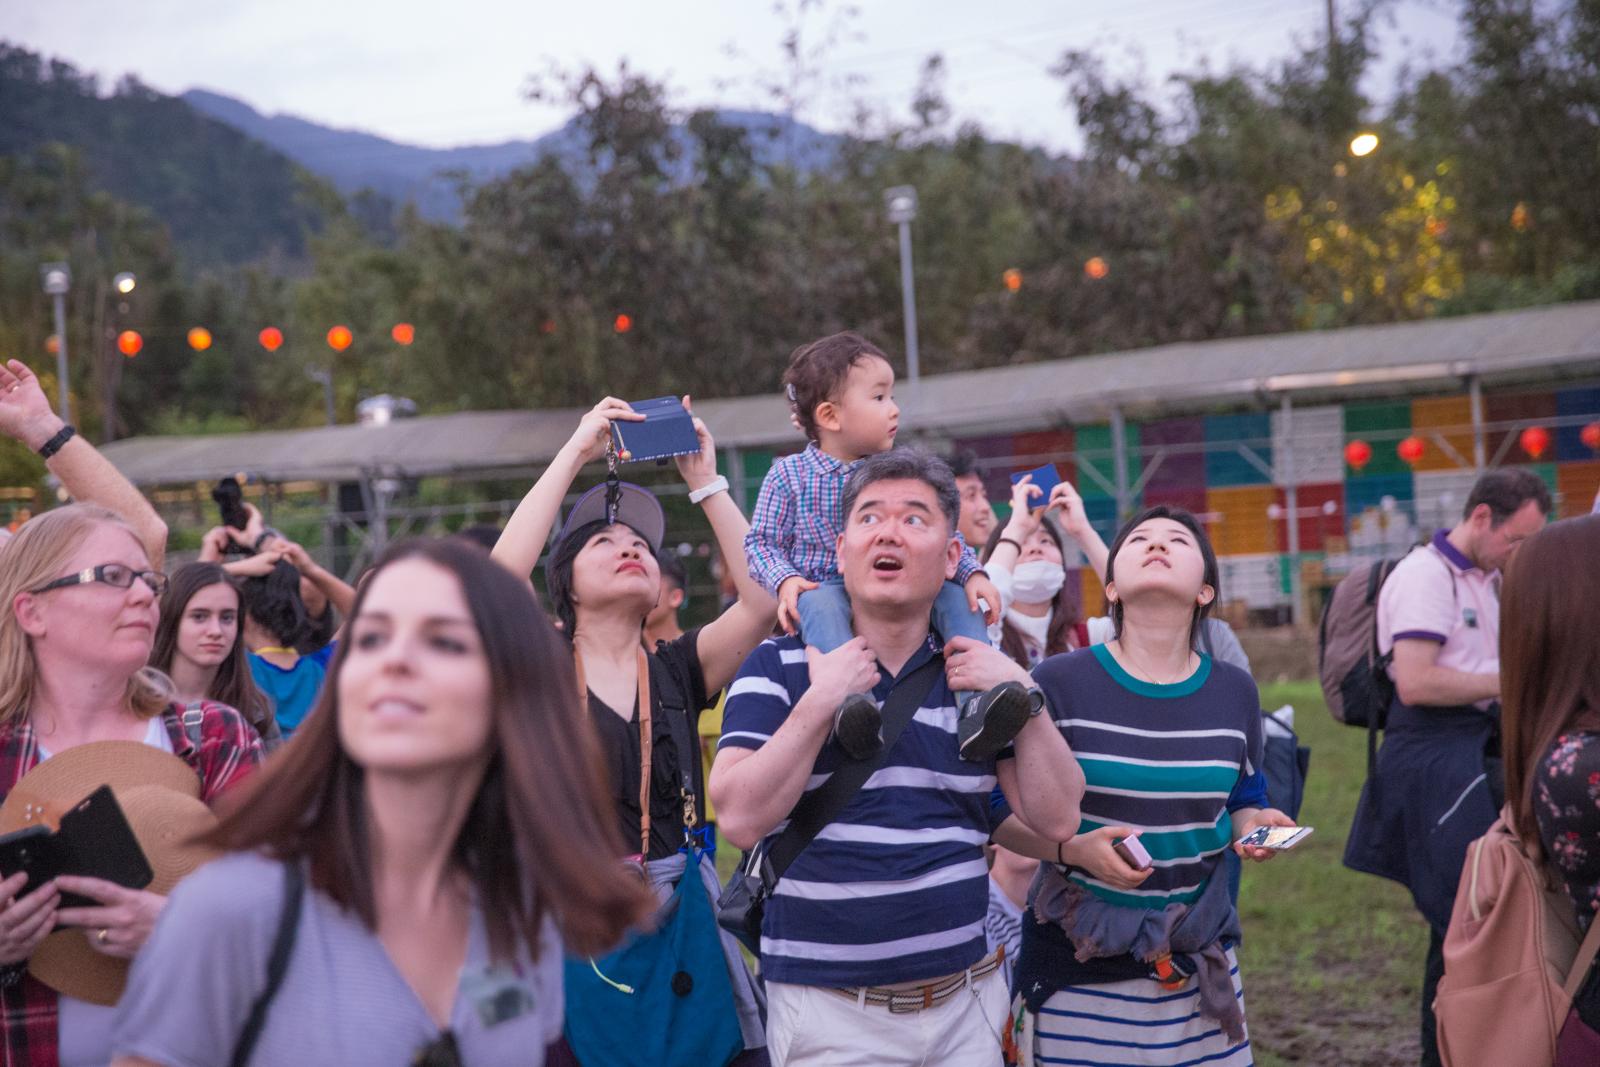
(1438, 782)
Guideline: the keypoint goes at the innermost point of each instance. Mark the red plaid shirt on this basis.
(229, 749)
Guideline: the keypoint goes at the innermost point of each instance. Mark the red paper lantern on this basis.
(1013, 279)
(129, 343)
(1411, 449)
(1534, 441)
(1096, 268)
(52, 344)
(623, 323)
(1590, 436)
(1357, 454)
(199, 338)
(339, 338)
(403, 333)
(271, 338)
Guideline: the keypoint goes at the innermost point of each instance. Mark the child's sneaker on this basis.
(858, 724)
(990, 721)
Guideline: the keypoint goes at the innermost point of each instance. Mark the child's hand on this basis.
(977, 586)
(850, 668)
(789, 602)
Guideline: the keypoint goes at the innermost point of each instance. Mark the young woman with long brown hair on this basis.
(1550, 725)
(199, 644)
(445, 807)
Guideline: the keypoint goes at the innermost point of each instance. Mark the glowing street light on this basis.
(1363, 144)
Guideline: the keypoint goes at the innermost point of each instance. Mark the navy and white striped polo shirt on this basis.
(895, 889)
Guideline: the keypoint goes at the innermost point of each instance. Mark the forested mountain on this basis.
(225, 197)
(430, 177)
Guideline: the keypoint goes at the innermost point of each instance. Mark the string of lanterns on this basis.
(1535, 441)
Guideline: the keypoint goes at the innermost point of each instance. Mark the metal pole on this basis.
(65, 405)
(1291, 499)
(1475, 395)
(908, 293)
(1119, 462)
(327, 395)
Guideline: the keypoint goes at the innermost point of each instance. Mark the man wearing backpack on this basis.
(873, 942)
(1438, 781)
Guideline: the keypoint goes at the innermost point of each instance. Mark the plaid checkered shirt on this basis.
(798, 519)
(228, 751)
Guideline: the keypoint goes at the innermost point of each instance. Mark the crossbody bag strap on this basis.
(820, 808)
(294, 888)
(1584, 959)
(646, 740)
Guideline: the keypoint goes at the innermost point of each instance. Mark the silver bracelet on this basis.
(710, 489)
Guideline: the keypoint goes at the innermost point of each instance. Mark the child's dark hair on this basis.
(817, 372)
(1212, 573)
(273, 602)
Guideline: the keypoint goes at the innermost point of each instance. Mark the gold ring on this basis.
(102, 935)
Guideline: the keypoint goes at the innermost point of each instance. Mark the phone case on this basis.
(1045, 477)
(1130, 849)
(94, 841)
(1277, 838)
(667, 431)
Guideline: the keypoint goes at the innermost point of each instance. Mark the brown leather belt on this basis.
(923, 997)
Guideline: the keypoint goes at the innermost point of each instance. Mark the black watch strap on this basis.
(54, 445)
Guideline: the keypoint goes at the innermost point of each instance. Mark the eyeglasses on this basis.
(440, 1052)
(117, 574)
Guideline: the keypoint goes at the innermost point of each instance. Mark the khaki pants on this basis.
(812, 1027)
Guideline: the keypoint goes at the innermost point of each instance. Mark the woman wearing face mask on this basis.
(200, 646)
(1026, 561)
(1169, 740)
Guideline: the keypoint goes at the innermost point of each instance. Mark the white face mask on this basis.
(1037, 582)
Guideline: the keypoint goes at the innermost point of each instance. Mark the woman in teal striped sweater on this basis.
(1122, 965)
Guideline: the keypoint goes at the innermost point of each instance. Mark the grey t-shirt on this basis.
(342, 1002)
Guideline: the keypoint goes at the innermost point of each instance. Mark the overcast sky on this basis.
(450, 73)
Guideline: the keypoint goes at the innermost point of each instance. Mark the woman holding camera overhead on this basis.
(603, 580)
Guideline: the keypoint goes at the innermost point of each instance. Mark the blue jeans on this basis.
(825, 618)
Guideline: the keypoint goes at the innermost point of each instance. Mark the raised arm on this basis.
(726, 641)
(88, 476)
(524, 537)
(1066, 501)
(338, 592)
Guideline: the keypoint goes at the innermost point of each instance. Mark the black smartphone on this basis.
(30, 849)
(230, 501)
(667, 431)
(94, 841)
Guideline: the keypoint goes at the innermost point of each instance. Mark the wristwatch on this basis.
(54, 445)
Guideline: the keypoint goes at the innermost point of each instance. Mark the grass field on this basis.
(1332, 960)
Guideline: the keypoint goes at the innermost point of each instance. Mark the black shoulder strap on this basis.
(294, 887)
(820, 808)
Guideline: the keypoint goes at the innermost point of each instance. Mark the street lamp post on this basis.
(57, 279)
(900, 203)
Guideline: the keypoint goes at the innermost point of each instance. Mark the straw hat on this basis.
(160, 796)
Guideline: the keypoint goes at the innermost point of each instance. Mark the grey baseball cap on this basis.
(636, 506)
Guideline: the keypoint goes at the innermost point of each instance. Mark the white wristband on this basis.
(710, 489)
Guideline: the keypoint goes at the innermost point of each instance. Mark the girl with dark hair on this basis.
(275, 620)
(1169, 741)
(603, 579)
(1550, 723)
(422, 829)
(1026, 560)
(200, 646)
